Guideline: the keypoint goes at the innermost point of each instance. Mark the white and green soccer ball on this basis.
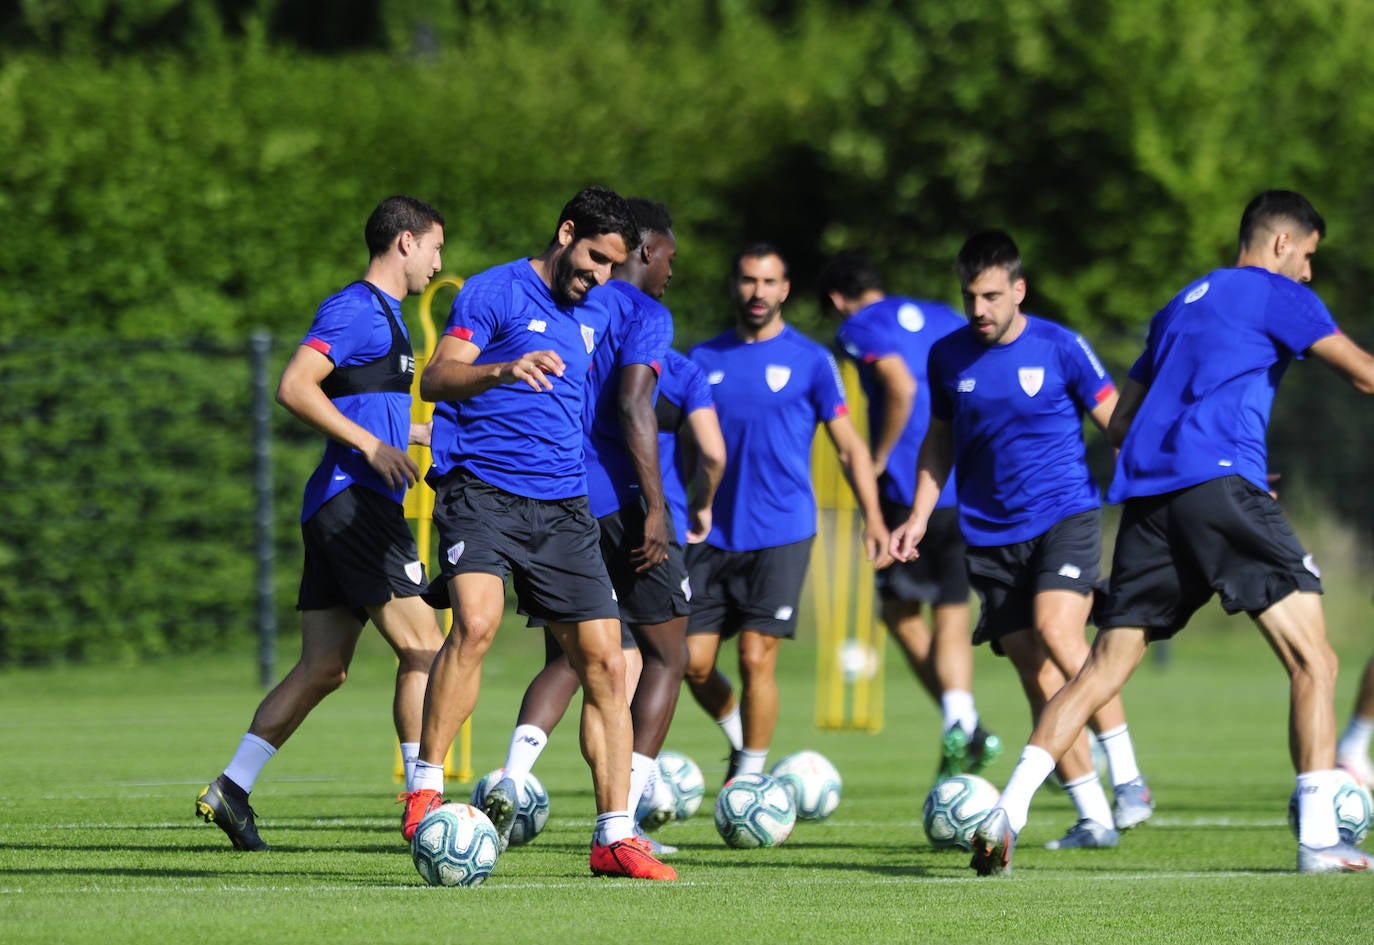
(531, 811)
(954, 808)
(1354, 810)
(682, 779)
(754, 810)
(455, 845)
(813, 782)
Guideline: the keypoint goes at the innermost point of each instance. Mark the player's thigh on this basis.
(329, 637)
(408, 625)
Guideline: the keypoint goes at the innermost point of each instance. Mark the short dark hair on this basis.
(1273, 207)
(650, 216)
(758, 249)
(849, 273)
(595, 211)
(396, 215)
(986, 249)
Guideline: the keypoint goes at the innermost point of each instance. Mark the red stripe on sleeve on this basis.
(841, 411)
(461, 333)
(1106, 392)
(323, 347)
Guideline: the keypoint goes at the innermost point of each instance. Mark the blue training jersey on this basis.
(682, 390)
(525, 441)
(1016, 414)
(1212, 363)
(350, 328)
(639, 331)
(769, 395)
(905, 328)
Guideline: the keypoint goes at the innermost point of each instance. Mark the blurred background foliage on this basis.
(184, 172)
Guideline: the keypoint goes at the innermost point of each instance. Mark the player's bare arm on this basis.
(420, 433)
(1102, 416)
(299, 391)
(858, 471)
(900, 390)
(1347, 359)
(452, 375)
(708, 465)
(933, 464)
(1128, 401)
(639, 427)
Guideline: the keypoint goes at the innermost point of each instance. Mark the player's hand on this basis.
(419, 433)
(654, 551)
(876, 539)
(1272, 478)
(698, 525)
(904, 539)
(393, 465)
(533, 368)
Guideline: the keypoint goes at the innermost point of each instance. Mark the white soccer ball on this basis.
(754, 810)
(531, 812)
(682, 778)
(858, 661)
(1354, 811)
(455, 845)
(813, 782)
(954, 808)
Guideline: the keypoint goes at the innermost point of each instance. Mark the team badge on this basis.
(777, 376)
(783, 613)
(416, 572)
(910, 317)
(1197, 293)
(455, 552)
(1031, 378)
(589, 338)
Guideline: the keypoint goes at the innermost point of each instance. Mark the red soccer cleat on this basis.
(630, 858)
(418, 804)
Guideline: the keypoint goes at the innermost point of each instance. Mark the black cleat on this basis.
(732, 764)
(224, 804)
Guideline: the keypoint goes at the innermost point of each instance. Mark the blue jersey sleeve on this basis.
(697, 389)
(345, 331)
(1296, 318)
(1088, 381)
(477, 312)
(648, 339)
(940, 406)
(827, 390)
(864, 341)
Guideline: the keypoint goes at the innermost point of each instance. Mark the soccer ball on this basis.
(531, 813)
(954, 808)
(812, 781)
(1353, 811)
(754, 810)
(455, 845)
(682, 777)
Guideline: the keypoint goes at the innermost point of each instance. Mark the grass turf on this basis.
(102, 765)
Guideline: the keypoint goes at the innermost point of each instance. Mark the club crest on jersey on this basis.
(455, 551)
(910, 317)
(415, 571)
(1197, 293)
(777, 376)
(589, 337)
(1031, 378)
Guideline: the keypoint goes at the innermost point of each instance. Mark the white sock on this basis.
(526, 743)
(428, 777)
(733, 728)
(252, 755)
(957, 705)
(1120, 755)
(1354, 741)
(1031, 771)
(642, 769)
(612, 826)
(751, 762)
(1317, 808)
(1090, 800)
(410, 751)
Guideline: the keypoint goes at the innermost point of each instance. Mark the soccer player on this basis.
(1352, 752)
(772, 386)
(509, 377)
(1008, 392)
(1198, 518)
(350, 379)
(888, 338)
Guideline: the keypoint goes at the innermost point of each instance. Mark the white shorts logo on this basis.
(415, 571)
(1070, 571)
(783, 613)
(687, 588)
(1310, 564)
(455, 552)
(910, 317)
(1031, 378)
(777, 376)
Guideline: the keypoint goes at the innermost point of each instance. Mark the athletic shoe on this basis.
(1359, 768)
(1086, 835)
(953, 752)
(1133, 804)
(732, 764)
(418, 804)
(1339, 858)
(993, 844)
(224, 804)
(631, 858)
(983, 749)
(656, 847)
(499, 806)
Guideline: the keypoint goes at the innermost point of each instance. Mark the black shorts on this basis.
(939, 575)
(648, 597)
(549, 548)
(747, 590)
(1174, 551)
(1007, 577)
(359, 553)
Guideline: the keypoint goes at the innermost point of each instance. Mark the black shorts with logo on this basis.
(359, 553)
(747, 590)
(939, 575)
(1174, 551)
(646, 597)
(549, 548)
(1007, 577)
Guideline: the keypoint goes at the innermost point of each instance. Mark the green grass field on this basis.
(98, 842)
